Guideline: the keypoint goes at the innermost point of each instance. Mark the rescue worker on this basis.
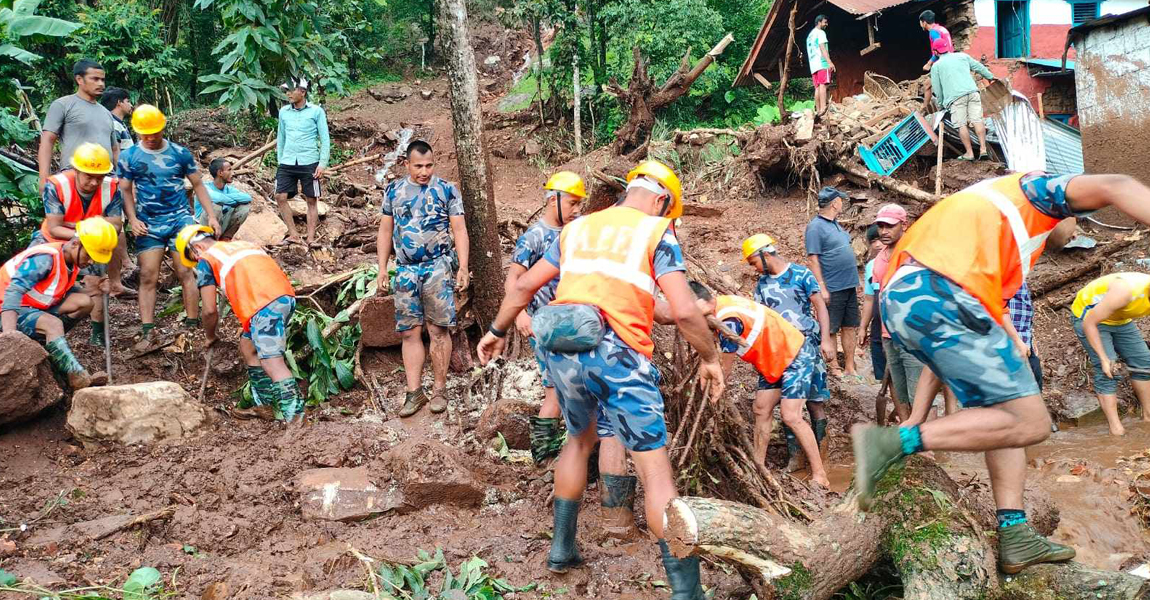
(596, 342)
(40, 299)
(1103, 316)
(262, 298)
(792, 291)
(943, 298)
(153, 172)
(82, 192)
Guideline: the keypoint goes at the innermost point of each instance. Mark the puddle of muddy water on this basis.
(1095, 517)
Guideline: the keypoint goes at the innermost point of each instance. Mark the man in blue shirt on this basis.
(423, 223)
(153, 173)
(231, 205)
(832, 260)
(303, 149)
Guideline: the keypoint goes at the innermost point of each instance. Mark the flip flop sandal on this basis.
(966, 159)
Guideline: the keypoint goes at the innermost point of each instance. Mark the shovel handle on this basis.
(107, 339)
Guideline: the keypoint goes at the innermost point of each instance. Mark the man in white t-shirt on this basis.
(820, 59)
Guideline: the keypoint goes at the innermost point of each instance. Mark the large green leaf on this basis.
(343, 371)
(6, 578)
(142, 584)
(18, 53)
(25, 7)
(25, 25)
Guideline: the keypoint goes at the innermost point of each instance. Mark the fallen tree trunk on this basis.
(889, 183)
(1102, 255)
(923, 524)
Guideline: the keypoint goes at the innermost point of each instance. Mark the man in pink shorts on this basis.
(820, 59)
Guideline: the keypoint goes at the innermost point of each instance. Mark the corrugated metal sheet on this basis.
(1063, 148)
(1052, 63)
(864, 7)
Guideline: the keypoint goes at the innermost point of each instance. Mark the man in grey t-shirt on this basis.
(76, 119)
(832, 260)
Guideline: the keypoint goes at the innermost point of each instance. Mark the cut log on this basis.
(1102, 255)
(889, 183)
(352, 163)
(254, 155)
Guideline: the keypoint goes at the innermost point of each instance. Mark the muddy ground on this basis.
(237, 517)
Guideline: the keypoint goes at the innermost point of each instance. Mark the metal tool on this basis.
(207, 369)
(107, 340)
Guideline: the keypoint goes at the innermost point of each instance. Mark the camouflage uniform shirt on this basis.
(422, 230)
(789, 294)
(531, 247)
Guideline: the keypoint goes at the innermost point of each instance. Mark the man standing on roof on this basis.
(792, 291)
(953, 88)
(303, 148)
(596, 341)
(819, 57)
(153, 172)
(262, 298)
(832, 260)
(934, 32)
(41, 300)
(942, 300)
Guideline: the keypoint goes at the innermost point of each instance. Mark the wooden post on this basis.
(762, 80)
(785, 73)
(578, 121)
(938, 167)
(1041, 108)
(475, 180)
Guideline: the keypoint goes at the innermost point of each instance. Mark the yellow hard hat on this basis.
(92, 159)
(184, 241)
(667, 178)
(98, 237)
(148, 119)
(757, 242)
(567, 181)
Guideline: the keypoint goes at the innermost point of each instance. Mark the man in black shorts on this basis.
(832, 260)
(303, 148)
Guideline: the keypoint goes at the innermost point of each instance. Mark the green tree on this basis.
(20, 30)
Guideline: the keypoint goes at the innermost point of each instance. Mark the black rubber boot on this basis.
(564, 554)
(821, 437)
(682, 574)
(795, 456)
(546, 439)
(617, 497)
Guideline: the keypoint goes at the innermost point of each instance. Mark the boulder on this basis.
(139, 413)
(512, 418)
(299, 208)
(343, 495)
(530, 148)
(492, 60)
(377, 320)
(263, 229)
(427, 94)
(430, 473)
(26, 382)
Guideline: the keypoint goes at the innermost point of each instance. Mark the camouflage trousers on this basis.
(613, 386)
(949, 330)
(268, 327)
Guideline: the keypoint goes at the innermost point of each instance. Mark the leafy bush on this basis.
(398, 581)
(20, 206)
(23, 37)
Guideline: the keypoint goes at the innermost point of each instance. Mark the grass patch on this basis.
(795, 585)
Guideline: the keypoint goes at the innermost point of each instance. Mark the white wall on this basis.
(1052, 12)
(1113, 76)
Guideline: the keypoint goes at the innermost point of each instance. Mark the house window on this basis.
(1084, 11)
(1012, 20)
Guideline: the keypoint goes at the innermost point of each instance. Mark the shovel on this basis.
(207, 369)
(107, 340)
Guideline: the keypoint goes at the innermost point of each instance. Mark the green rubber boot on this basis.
(617, 497)
(66, 364)
(877, 449)
(564, 553)
(263, 388)
(290, 400)
(1019, 546)
(97, 337)
(546, 439)
(682, 574)
(195, 323)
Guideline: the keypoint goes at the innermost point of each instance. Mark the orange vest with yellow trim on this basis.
(69, 195)
(773, 342)
(985, 238)
(606, 259)
(51, 290)
(248, 277)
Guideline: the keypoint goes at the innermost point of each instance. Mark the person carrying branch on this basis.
(40, 296)
(262, 298)
(943, 298)
(596, 342)
(1103, 316)
(793, 292)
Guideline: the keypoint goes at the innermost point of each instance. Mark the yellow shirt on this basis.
(1089, 297)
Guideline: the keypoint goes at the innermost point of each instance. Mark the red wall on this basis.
(1046, 41)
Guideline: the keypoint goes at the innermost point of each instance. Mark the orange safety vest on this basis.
(249, 278)
(606, 259)
(773, 342)
(985, 238)
(51, 290)
(69, 195)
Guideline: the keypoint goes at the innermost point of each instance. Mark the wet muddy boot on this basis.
(195, 323)
(820, 427)
(546, 439)
(412, 402)
(97, 337)
(1019, 546)
(617, 493)
(290, 401)
(264, 396)
(564, 554)
(438, 402)
(682, 575)
(796, 460)
(66, 364)
(148, 340)
(876, 449)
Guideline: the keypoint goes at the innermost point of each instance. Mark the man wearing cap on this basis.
(40, 296)
(86, 190)
(832, 260)
(596, 341)
(157, 209)
(954, 90)
(303, 149)
(792, 291)
(422, 222)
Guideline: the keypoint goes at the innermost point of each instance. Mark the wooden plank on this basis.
(762, 80)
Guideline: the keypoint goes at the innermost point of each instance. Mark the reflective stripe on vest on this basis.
(49, 291)
(69, 197)
(630, 270)
(757, 322)
(228, 261)
(1027, 245)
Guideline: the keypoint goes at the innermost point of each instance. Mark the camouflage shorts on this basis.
(268, 327)
(425, 291)
(805, 378)
(162, 231)
(27, 317)
(542, 365)
(950, 331)
(614, 386)
(602, 425)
